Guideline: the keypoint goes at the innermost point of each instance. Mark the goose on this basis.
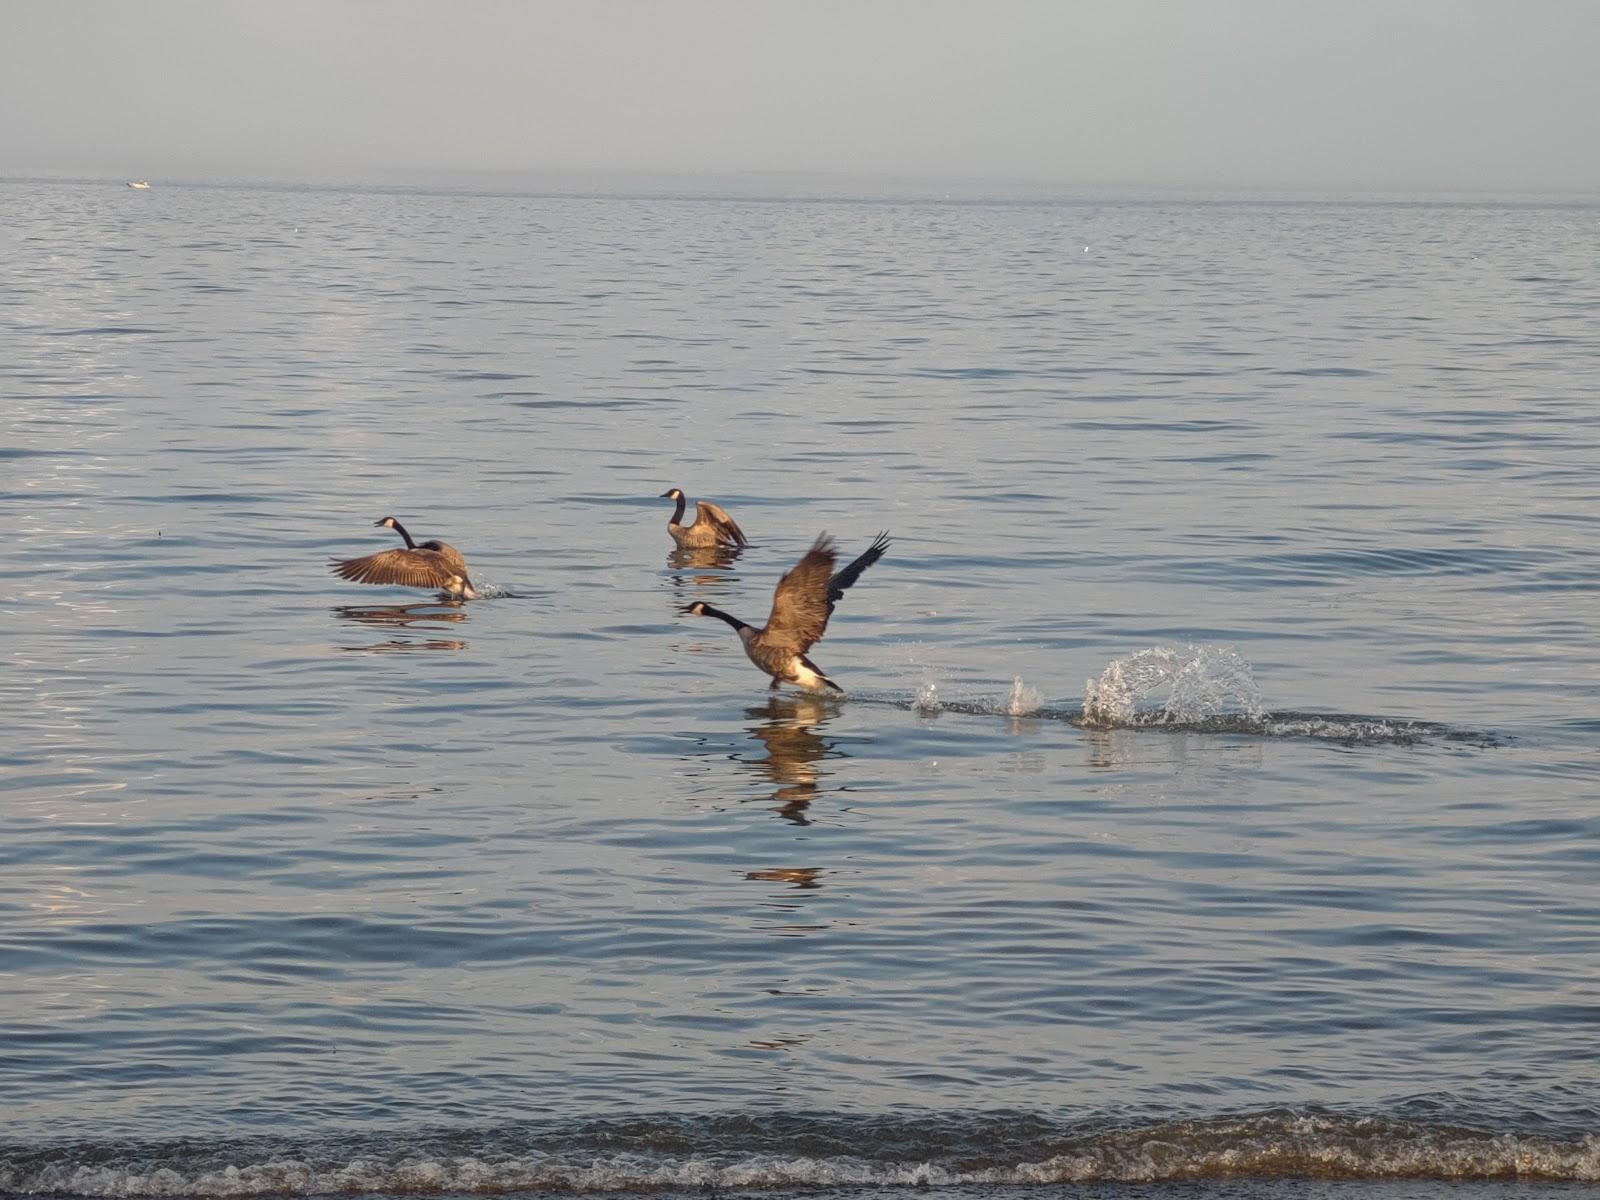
(801, 605)
(712, 525)
(429, 565)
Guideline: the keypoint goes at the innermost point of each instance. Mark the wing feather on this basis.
(449, 556)
(800, 601)
(840, 582)
(717, 517)
(406, 568)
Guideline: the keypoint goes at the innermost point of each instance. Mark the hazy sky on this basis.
(1327, 94)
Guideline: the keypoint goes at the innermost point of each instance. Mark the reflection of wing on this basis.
(407, 647)
(404, 616)
(703, 558)
(800, 877)
(792, 754)
(800, 602)
(786, 727)
(433, 617)
(407, 568)
(716, 517)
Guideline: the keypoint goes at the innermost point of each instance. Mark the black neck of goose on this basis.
(401, 530)
(707, 611)
(677, 513)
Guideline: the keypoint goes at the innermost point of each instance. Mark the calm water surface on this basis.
(308, 887)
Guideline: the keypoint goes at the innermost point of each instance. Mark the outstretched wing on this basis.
(717, 517)
(841, 581)
(407, 568)
(449, 557)
(800, 602)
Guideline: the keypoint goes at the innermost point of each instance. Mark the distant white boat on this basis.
(139, 183)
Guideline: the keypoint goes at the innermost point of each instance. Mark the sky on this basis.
(1321, 95)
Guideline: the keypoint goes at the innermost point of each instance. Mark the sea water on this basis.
(310, 887)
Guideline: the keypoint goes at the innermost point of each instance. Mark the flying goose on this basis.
(430, 565)
(712, 525)
(801, 605)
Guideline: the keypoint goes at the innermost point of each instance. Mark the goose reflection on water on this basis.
(425, 617)
(697, 570)
(787, 726)
(800, 877)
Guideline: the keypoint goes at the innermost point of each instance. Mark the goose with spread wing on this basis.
(712, 524)
(431, 564)
(801, 605)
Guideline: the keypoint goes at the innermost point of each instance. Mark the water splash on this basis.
(1201, 684)
(1189, 689)
(493, 591)
(1023, 701)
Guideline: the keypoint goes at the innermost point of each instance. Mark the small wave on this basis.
(927, 700)
(1348, 729)
(794, 1153)
(102, 331)
(1345, 728)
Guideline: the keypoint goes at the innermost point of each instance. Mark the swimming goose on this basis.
(429, 565)
(801, 605)
(712, 525)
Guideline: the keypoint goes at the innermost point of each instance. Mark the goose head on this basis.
(671, 494)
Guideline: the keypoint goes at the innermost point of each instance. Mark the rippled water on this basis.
(345, 888)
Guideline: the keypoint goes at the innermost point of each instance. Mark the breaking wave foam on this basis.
(798, 1153)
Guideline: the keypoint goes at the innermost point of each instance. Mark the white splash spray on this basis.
(492, 591)
(1023, 701)
(1201, 682)
(927, 701)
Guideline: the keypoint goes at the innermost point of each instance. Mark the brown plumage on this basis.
(712, 525)
(431, 564)
(801, 605)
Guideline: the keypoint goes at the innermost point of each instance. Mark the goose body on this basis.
(801, 605)
(712, 525)
(431, 564)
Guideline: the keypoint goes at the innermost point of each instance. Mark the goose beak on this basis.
(664, 496)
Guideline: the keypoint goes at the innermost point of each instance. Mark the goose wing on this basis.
(717, 517)
(841, 581)
(407, 568)
(449, 556)
(800, 604)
